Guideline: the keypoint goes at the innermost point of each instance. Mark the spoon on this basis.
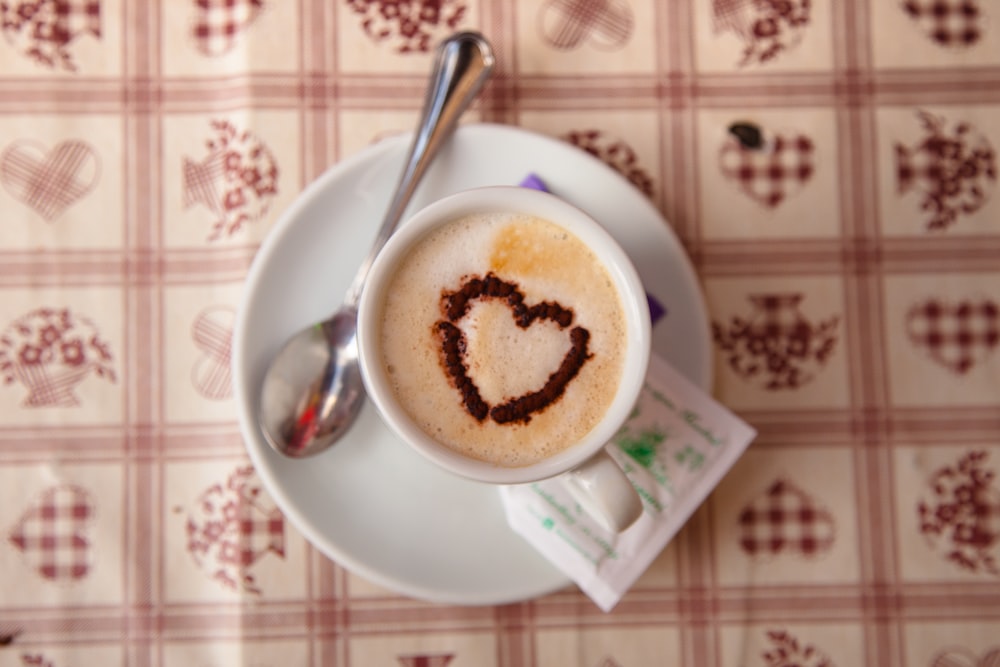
(313, 391)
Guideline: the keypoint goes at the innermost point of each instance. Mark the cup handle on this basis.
(604, 492)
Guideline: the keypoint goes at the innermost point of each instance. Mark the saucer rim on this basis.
(286, 222)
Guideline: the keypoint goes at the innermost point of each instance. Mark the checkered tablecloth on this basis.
(830, 167)
(52, 535)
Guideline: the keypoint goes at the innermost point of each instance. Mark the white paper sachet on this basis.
(675, 447)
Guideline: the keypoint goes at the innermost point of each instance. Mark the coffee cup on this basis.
(504, 335)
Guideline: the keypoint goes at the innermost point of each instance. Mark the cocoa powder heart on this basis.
(455, 306)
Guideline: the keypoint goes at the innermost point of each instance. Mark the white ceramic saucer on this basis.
(370, 503)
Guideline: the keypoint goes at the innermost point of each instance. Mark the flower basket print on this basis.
(43, 30)
(786, 650)
(50, 351)
(959, 514)
(409, 26)
(953, 169)
(767, 28)
(237, 180)
(231, 527)
(616, 153)
(776, 347)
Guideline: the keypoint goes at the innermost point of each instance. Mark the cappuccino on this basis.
(503, 337)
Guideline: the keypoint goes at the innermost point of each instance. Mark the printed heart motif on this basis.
(956, 335)
(52, 534)
(217, 25)
(453, 348)
(772, 173)
(786, 519)
(212, 333)
(49, 181)
(566, 24)
(962, 657)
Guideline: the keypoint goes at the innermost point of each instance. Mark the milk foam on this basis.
(547, 263)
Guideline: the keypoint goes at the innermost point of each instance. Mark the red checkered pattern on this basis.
(571, 22)
(778, 315)
(47, 183)
(948, 22)
(253, 533)
(218, 23)
(43, 29)
(77, 17)
(52, 534)
(211, 375)
(956, 335)
(61, 20)
(785, 519)
(233, 526)
(916, 168)
(769, 174)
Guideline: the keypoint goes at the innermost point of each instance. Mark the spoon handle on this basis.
(462, 65)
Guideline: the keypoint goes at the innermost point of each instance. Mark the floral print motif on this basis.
(237, 180)
(44, 29)
(50, 351)
(960, 516)
(777, 346)
(767, 28)
(408, 25)
(952, 168)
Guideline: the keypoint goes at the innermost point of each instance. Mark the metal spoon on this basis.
(313, 391)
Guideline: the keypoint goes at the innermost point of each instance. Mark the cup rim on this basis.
(558, 211)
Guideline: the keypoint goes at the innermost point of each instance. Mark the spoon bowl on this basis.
(313, 391)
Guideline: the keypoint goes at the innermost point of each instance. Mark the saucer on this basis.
(370, 503)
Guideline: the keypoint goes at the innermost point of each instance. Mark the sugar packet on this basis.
(675, 447)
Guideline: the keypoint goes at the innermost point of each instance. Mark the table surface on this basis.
(849, 264)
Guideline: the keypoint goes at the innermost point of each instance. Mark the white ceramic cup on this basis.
(592, 476)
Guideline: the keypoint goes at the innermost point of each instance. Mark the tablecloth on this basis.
(829, 166)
